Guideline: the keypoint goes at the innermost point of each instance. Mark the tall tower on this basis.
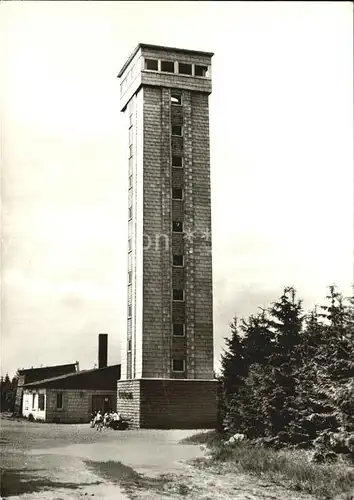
(167, 355)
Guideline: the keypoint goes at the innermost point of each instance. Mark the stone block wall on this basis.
(168, 404)
(77, 405)
(128, 400)
(178, 404)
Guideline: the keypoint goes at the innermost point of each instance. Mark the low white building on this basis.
(71, 398)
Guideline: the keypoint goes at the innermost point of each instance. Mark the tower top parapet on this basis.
(162, 66)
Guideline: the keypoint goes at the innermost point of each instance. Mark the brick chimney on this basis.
(102, 350)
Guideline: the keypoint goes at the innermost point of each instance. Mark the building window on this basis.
(178, 365)
(177, 227)
(184, 69)
(130, 136)
(176, 98)
(168, 66)
(178, 294)
(152, 64)
(129, 311)
(178, 329)
(41, 402)
(59, 401)
(129, 345)
(130, 181)
(131, 120)
(200, 70)
(130, 150)
(33, 401)
(130, 276)
(129, 261)
(178, 260)
(130, 204)
(177, 161)
(177, 130)
(129, 244)
(177, 194)
(130, 168)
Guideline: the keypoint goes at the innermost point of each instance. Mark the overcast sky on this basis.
(281, 116)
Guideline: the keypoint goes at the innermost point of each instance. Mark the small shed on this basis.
(71, 398)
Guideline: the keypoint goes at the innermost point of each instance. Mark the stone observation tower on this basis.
(167, 355)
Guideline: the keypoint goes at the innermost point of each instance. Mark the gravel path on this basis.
(68, 462)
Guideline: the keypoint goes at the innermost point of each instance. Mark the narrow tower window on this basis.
(178, 294)
(177, 161)
(200, 70)
(177, 194)
(184, 69)
(178, 365)
(151, 64)
(168, 66)
(178, 329)
(177, 130)
(176, 97)
(178, 260)
(177, 227)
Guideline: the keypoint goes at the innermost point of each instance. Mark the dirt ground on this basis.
(62, 462)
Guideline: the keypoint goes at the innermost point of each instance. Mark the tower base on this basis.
(168, 403)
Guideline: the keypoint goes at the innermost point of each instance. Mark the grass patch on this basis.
(287, 468)
(209, 438)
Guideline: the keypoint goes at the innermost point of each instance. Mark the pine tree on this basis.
(258, 339)
(5, 390)
(233, 365)
(286, 320)
(233, 372)
(279, 388)
(339, 344)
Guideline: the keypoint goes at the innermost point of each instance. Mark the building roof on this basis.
(98, 378)
(46, 372)
(162, 48)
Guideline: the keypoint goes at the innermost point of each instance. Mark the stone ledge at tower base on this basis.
(168, 403)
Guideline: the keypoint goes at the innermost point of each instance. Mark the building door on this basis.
(102, 403)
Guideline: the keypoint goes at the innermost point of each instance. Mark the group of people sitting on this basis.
(108, 420)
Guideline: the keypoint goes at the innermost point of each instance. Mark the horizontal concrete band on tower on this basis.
(167, 403)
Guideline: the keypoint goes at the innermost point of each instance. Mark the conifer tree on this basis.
(233, 365)
(258, 339)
